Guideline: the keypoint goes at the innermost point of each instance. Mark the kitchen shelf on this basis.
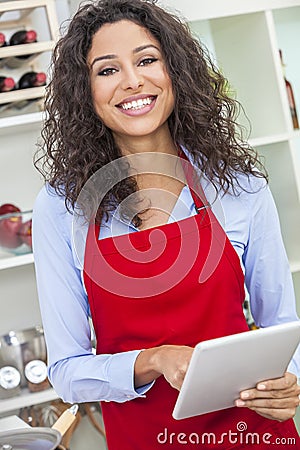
(15, 261)
(266, 140)
(295, 266)
(20, 5)
(274, 139)
(34, 50)
(26, 49)
(22, 94)
(22, 122)
(27, 398)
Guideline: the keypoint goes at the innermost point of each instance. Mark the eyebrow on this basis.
(112, 56)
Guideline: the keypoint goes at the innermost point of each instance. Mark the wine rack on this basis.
(17, 97)
(21, 10)
(34, 49)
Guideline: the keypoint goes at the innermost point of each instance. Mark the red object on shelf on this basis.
(18, 38)
(25, 232)
(14, 231)
(32, 79)
(2, 40)
(8, 208)
(9, 226)
(6, 84)
(23, 37)
(9, 232)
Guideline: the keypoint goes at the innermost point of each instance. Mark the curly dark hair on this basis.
(76, 143)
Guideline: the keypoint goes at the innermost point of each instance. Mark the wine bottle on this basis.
(6, 84)
(32, 79)
(290, 95)
(3, 42)
(18, 38)
(23, 37)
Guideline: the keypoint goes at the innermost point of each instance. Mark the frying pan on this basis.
(38, 438)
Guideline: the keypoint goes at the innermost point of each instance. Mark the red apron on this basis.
(133, 307)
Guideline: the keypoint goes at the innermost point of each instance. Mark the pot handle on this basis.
(64, 422)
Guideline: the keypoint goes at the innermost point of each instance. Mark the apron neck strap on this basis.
(198, 195)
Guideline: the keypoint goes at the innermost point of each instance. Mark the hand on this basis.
(275, 399)
(171, 361)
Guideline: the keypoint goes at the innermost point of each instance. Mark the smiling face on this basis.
(131, 88)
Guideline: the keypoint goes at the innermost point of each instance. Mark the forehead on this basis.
(119, 38)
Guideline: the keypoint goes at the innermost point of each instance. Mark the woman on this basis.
(137, 112)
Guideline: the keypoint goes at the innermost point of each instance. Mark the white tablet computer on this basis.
(221, 368)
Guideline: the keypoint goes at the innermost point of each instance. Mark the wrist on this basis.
(146, 368)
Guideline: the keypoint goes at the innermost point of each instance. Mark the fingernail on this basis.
(245, 394)
(261, 386)
(240, 403)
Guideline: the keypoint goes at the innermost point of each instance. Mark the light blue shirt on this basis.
(251, 223)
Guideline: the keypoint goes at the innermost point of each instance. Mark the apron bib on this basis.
(179, 283)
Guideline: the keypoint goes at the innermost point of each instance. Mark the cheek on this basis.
(100, 97)
(104, 94)
(169, 94)
(166, 83)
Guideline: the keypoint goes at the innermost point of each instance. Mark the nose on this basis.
(132, 78)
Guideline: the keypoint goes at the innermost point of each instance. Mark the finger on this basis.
(270, 403)
(285, 382)
(293, 391)
(275, 414)
(285, 385)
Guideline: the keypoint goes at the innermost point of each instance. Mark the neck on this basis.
(153, 159)
(161, 143)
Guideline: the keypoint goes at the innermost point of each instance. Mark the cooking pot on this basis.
(38, 438)
(17, 348)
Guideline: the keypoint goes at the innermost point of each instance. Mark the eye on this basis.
(147, 61)
(107, 72)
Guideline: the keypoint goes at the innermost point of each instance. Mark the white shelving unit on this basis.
(17, 124)
(21, 95)
(20, 182)
(27, 398)
(34, 49)
(7, 262)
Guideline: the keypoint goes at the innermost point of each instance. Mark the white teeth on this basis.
(137, 104)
